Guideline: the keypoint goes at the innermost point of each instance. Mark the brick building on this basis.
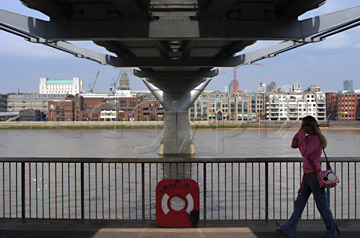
(150, 111)
(343, 106)
(331, 105)
(348, 107)
(105, 108)
(91, 108)
(128, 109)
(61, 110)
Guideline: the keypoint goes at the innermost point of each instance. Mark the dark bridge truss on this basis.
(176, 38)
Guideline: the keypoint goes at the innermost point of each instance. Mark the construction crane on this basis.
(256, 63)
(235, 82)
(115, 83)
(92, 87)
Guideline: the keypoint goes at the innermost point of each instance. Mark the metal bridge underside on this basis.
(176, 46)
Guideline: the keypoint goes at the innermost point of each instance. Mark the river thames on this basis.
(125, 143)
(112, 190)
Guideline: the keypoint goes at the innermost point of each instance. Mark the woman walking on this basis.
(310, 142)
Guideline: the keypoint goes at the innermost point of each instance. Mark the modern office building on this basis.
(50, 86)
(3, 102)
(271, 87)
(33, 101)
(31, 115)
(295, 106)
(233, 86)
(348, 85)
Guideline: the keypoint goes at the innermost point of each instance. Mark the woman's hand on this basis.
(307, 129)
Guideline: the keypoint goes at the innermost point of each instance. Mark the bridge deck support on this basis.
(176, 135)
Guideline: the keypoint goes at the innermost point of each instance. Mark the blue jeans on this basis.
(311, 185)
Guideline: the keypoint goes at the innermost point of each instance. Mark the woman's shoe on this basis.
(281, 233)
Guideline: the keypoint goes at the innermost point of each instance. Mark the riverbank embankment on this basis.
(336, 125)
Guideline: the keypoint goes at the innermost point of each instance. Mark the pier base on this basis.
(176, 136)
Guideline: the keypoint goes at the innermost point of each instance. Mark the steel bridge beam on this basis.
(312, 30)
(139, 29)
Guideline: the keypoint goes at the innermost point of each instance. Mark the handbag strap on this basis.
(328, 166)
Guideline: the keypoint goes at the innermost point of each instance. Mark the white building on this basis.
(295, 106)
(50, 86)
(296, 88)
(261, 88)
(124, 88)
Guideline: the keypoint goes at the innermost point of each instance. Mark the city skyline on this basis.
(327, 64)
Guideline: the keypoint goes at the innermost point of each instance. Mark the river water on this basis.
(234, 191)
(134, 143)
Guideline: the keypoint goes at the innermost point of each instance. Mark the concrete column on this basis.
(176, 136)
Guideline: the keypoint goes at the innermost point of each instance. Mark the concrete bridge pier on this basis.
(176, 135)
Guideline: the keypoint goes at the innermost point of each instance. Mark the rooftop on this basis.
(59, 81)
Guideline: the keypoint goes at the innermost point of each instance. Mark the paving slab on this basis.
(255, 229)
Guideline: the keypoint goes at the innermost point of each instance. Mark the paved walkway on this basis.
(256, 229)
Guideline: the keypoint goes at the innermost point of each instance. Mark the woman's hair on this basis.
(311, 121)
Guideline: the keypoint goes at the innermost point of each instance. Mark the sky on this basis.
(326, 64)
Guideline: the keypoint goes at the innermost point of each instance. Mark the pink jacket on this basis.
(310, 149)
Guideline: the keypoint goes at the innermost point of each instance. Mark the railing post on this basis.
(328, 189)
(82, 192)
(204, 172)
(23, 214)
(266, 192)
(143, 191)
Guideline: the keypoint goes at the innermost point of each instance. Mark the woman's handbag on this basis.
(327, 178)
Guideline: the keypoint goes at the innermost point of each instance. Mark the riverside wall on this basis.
(156, 124)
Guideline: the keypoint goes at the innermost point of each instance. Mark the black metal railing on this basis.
(124, 189)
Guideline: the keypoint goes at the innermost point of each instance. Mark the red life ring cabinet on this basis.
(177, 203)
